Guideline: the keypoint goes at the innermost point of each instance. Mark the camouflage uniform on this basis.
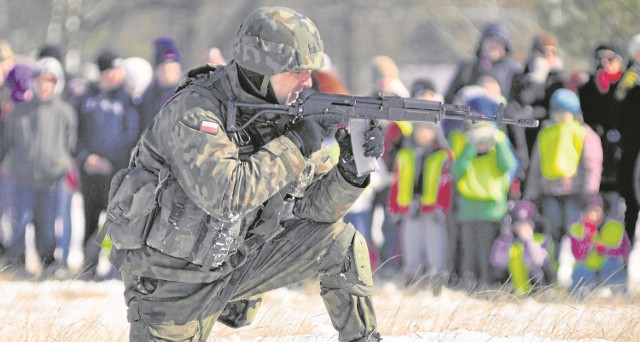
(203, 222)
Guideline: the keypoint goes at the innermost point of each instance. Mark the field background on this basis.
(74, 310)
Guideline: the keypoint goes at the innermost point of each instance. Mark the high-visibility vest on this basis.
(560, 147)
(436, 181)
(610, 234)
(518, 270)
(483, 180)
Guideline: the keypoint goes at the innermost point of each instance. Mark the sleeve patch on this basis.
(209, 127)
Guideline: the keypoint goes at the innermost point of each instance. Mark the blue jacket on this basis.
(107, 126)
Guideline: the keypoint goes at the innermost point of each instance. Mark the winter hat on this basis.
(108, 59)
(166, 50)
(483, 105)
(19, 81)
(522, 211)
(542, 40)
(593, 201)
(384, 66)
(138, 74)
(634, 46)
(49, 50)
(564, 100)
(51, 66)
(497, 31)
(421, 86)
(608, 46)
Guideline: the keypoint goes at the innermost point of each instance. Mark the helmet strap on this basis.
(265, 85)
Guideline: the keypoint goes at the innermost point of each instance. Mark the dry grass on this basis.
(79, 311)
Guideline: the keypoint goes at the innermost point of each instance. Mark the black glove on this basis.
(307, 135)
(373, 147)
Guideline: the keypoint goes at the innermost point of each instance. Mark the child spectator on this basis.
(482, 173)
(38, 141)
(601, 249)
(523, 251)
(421, 195)
(565, 165)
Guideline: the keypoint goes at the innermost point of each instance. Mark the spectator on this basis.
(421, 196)
(531, 91)
(15, 88)
(565, 165)
(597, 100)
(524, 251)
(167, 71)
(215, 57)
(359, 214)
(107, 132)
(627, 109)
(601, 249)
(69, 183)
(138, 74)
(39, 138)
(482, 173)
(385, 79)
(493, 58)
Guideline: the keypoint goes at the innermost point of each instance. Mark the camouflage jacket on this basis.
(213, 199)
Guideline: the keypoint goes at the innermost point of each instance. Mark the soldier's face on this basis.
(288, 85)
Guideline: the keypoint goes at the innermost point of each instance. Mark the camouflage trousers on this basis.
(161, 310)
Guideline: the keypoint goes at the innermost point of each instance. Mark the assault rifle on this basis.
(359, 110)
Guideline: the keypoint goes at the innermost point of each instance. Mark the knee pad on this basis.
(351, 253)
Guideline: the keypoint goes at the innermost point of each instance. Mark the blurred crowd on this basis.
(472, 206)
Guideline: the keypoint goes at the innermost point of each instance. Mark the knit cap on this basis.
(542, 40)
(522, 211)
(421, 86)
(108, 59)
(564, 100)
(483, 105)
(166, 50)
(19, 81)
(50, 50)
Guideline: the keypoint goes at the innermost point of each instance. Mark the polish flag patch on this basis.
(209, 127)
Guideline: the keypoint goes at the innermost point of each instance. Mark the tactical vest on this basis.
(483, 180)
(610, 234)
(149, 208)
(436, 182)
(560, 148)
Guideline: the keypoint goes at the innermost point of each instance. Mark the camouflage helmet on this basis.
(278, 39)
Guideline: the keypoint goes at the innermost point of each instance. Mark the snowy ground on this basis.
(76, 310)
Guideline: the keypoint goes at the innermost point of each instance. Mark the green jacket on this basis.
(471, 169)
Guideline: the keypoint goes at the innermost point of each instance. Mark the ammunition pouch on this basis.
(132, 200)
(182, 230)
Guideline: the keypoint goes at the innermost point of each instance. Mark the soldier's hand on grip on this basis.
(374, 141)
(307, 135)
(373, 147)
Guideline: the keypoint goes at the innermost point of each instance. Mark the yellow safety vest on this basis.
(483, 180)
(518, 269)
(610, 234)
(434, 165)
(560, 147)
